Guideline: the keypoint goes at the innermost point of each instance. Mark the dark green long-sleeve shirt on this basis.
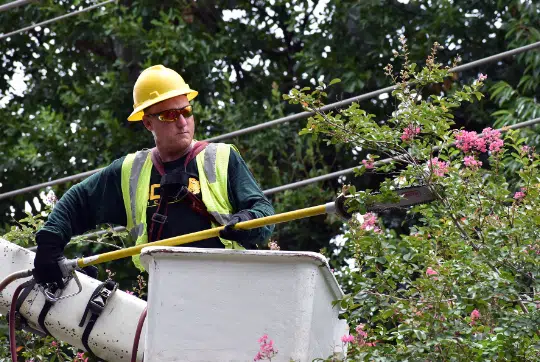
(98, 200)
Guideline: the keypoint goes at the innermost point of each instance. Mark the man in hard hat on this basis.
(179, 187)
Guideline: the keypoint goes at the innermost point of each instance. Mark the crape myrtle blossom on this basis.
(470, 141)
(409, 132)
(368, 164)
(362, 335)
(475, 315)
(520, 194)
(471, 162)
(370, 222)
(266, 349)
(439, 168)
(493, 138)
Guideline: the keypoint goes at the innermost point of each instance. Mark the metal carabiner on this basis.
(68, 271)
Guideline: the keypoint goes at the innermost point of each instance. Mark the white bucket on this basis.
(214, 304)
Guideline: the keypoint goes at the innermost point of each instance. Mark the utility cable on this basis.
(14, 4)
(369, 95)
(384, 161)
(290, 118)
(326, 177)
(3, 36)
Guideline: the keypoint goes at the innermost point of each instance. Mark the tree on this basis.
(241, 55)
(461, 283)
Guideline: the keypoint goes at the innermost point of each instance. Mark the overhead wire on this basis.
(7, 35)
(290, 118)
(382, 162)
(326, 177)
(14, 4)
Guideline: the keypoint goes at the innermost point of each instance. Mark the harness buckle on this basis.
(181, 194)
(160, 219)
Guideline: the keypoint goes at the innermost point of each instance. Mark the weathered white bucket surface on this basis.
(214, 304)
(113, 334)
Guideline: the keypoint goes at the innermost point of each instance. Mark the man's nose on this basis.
(181, 122)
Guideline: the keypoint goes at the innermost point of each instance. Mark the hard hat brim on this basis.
(138, 112)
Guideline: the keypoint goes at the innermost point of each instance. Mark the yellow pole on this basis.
(210, 233)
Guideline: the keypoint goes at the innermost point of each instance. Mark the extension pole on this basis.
(328, 208)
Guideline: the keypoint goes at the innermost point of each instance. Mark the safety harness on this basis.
(174, 188)
(96, 304)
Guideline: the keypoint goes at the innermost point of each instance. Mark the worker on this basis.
(179, 187)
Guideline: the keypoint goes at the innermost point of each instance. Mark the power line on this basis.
(349, 171)
(369, 95)
(3, 36)
(14, 4)
(326, 177)
(290, 118)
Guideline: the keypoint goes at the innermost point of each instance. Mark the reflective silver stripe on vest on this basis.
(136, 168)
(210, 154)
(136, 231)
(222, 219)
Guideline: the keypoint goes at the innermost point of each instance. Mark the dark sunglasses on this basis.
(172, 115)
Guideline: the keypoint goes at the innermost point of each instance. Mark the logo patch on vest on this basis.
(194, 186)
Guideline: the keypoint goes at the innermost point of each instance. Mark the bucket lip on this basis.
(150, 252)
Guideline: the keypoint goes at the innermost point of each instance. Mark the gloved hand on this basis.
(241, 236)
(46, 268)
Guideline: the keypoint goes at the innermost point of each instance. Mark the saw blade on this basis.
(410, 196)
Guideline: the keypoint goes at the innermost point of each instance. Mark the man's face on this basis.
(171, 137)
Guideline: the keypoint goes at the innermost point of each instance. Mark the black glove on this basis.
(46, 268)
(241, 236)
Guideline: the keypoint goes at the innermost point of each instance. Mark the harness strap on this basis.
(96, 304)
(24, 294)
(46, 307)
(196, 148)
(160, 216)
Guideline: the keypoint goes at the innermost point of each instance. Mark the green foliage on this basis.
(517, 97)
(80, 73)
(462, 283)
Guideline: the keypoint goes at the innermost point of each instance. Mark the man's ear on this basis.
(147, 123)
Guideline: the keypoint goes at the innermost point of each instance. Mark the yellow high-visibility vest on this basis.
(212, 166)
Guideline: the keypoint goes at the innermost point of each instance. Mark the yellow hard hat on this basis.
(155, 84)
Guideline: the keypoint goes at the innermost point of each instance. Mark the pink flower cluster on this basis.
(533, 249)
(470, 141)
(273, 245)
(520, 194)
(80, 358)
(482, 77)
(430, 271)
(410, 132)
(472, 162)
(266, 350)
(370, 222)
(475, 315)
(439, 168)
(493, 139)
(368, 164)
(360, 338)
